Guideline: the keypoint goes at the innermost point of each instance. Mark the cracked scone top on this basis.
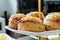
(13, 20)
(36, 14)
(52, 20)
(32, 24)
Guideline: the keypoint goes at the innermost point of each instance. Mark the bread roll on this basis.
(32, 24)
(13, 20)
(52, 21)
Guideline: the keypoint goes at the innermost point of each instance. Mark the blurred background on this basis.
(10, 7)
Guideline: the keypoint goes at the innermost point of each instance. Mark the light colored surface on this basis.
(11, 6)
(2, 20)
(54, 37)
(46, 33)
(34, 37)
(26, 38)
(8, 5)
(2, 7)
(23, 38)
(5, 36)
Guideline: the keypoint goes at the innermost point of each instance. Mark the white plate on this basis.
(7, 37)
(24, 38)
(46, 33)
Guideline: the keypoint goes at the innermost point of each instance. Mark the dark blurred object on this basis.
(6, 16)
(0, 26)
(52, 6)
(26, 6)
(14, 35)
(17, 36)
(6, 20)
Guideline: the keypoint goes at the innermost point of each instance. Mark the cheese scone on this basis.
(13, 20)
(52, 21)
(32, 24)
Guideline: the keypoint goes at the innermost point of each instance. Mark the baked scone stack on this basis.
(52, 21)
(30, 22)
(33, 23)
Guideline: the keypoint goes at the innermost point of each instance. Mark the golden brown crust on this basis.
(31, 24)
(53, 16)
(36, 14)
(13, 24)
(52, 21)
(13, 21)
(31, 19)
